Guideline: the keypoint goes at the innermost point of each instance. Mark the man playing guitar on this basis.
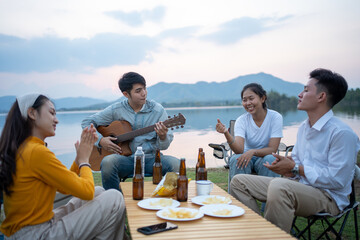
(140, 113)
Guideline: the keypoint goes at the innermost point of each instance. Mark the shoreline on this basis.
(169, 108)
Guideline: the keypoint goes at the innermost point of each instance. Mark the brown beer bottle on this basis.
(157, 168)
(138, 181)
(198, 164)
(182, 183)
(202, 172)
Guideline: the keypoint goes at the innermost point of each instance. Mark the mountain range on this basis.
(215, 91)
(181, 93)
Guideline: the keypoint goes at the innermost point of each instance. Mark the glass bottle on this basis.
(139, 152)
(157, 168)
(182, 183)
(138, 179)
(197, 164)
(202, 172)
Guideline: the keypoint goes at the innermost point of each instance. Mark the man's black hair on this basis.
(127, 81)
(330, 82)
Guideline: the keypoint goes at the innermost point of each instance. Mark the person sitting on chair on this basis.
(257, 134)
(322, 164)
(30, 175)
(140, 113)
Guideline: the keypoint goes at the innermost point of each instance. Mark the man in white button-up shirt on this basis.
(318, 175)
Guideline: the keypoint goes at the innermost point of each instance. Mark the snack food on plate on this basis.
(216, 200)
(180, 213)
(163, 202)
(223, 212)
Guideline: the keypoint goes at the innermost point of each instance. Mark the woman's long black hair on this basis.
(14, 133)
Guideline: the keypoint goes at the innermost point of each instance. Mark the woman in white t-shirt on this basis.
(257, 134)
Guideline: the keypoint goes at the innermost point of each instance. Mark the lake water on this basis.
(198, 131)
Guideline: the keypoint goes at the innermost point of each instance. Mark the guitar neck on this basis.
(130, 135)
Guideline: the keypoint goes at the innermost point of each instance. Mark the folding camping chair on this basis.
(329, 220)
(223, 150)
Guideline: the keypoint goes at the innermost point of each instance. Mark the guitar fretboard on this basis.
(135, 133)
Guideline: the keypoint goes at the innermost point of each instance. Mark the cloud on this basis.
(240, 28)
(136, 18)
(179, 33)
(51, 53)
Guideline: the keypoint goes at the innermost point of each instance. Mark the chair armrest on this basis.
(220, 151)
(289, 149)
(219, 147)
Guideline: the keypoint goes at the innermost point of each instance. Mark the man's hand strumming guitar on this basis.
(107, 144)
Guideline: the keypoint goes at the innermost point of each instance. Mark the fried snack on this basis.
(223, 212)
(161, 203)
(180, 214)
(167, 186)
(216, 200)
(171, 180)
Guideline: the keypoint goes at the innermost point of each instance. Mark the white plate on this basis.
(156, 203)
(164, 214)
(222, 210)
(207, 199)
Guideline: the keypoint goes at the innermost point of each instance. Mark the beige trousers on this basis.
(284, 198)
(101, 218)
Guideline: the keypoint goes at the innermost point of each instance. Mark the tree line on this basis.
(279, 102)
(275, 101)
(351, 103)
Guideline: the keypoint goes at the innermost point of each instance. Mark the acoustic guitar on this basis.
(123, 132)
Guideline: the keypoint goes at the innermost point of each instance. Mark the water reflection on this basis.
(198, 131)
(201, 119)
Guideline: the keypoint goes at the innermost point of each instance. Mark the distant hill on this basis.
(176, 94)
(76, 102)
(180, 94)
(213, 91)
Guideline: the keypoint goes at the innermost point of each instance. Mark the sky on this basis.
(82, 47)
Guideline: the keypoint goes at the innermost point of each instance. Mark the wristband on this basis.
(84, 164)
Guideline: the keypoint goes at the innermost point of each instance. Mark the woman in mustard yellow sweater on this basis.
(30, 175)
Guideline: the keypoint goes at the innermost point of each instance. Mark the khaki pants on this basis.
(101, 218)
(284, 198)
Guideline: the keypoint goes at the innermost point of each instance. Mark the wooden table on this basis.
(248, 226)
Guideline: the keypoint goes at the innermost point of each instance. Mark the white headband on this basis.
(25, 102)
